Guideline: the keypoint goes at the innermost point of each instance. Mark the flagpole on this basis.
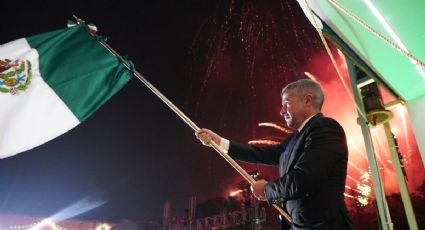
(186, 119)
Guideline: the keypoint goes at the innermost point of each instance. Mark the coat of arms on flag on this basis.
(14, 75)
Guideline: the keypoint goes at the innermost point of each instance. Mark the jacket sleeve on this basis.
(268, 155)
(324, 147)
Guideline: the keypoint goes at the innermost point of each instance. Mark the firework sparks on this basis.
(275, 126)
(364, 189)
(311, 76)
(349, 196)
(263, 142)
(248, 42)
(363, 201)
(234, 193)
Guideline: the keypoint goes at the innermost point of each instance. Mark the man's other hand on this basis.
(258, 189)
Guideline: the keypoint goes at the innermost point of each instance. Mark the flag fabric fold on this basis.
(51, 82)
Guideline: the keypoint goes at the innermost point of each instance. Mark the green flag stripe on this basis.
(79, 69)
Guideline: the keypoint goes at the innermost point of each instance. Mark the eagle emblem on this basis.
(14, 75)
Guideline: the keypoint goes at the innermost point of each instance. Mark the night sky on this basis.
(223, 63)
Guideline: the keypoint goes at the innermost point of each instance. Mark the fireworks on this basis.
(362, 194)
(263, 142)
(364, 189)
(311, 76)
(275, 126)
(234, 193)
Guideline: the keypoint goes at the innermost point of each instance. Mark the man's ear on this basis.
(308, 99)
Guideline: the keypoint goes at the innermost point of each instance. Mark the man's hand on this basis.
(206, 136)
(258, 189)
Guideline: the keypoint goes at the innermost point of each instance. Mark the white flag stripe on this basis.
(34, 116)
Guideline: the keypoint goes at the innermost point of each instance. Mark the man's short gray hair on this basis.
(304, 87)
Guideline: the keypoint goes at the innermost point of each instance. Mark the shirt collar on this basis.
(305, 122)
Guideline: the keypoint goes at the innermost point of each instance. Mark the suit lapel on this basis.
(301, 137)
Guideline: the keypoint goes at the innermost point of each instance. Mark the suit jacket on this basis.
(312, 179)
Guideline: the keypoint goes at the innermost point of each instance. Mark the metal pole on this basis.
(381, 201)
(404, 192)
(186, 119)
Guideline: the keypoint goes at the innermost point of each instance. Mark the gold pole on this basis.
(186, 119)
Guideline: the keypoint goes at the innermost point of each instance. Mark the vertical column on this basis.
(405, 197)
(381, 201)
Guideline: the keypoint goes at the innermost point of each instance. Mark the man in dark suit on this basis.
(312, 161)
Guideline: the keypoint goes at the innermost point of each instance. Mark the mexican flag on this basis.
(51, 82)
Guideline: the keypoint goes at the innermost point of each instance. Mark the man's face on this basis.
(293, 109)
